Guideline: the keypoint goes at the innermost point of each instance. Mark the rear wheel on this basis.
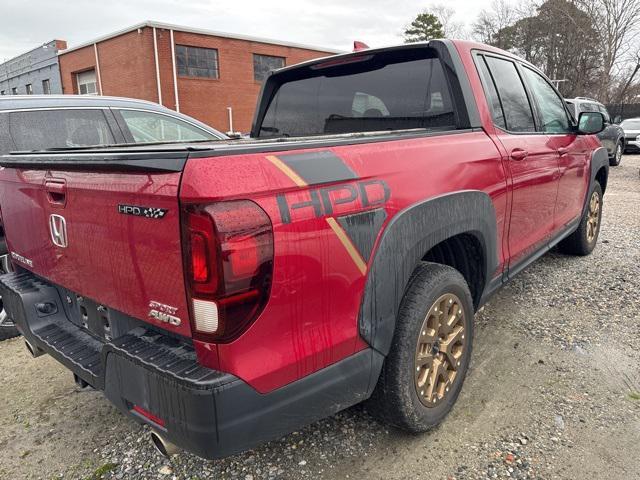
(584, 239)
(617, 155)
(429, 358)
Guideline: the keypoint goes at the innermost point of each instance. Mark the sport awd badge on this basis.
(147, 212)
(164, 313)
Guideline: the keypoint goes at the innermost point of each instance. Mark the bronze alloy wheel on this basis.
(439, 350)
(593, 218)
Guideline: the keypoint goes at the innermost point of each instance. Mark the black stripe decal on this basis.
(318, 167)
(363, 229)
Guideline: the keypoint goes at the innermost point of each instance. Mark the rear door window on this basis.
(513, 96)
(491, 94)
(63, 128)
(380, 92)
(551, 108)
(148, 127)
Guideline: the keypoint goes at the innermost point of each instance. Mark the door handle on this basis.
(519, 154)
(56, 191)
(563, 151)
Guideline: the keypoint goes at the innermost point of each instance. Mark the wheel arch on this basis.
(599, 171)
(408, 238)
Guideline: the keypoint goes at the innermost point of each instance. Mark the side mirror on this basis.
(617, 119)
(590, 123)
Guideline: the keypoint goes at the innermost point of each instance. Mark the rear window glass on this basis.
(40, 129)
(380, 92)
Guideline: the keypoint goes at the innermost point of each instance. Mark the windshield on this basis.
(631, 124)
(386, 91)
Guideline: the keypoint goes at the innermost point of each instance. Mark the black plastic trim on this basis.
(148, 161)
(406, 240)
(300, 143)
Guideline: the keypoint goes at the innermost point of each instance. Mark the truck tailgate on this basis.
(110, 236)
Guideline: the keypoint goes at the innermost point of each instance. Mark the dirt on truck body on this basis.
(228, 293)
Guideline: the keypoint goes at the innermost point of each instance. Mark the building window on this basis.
(197, 62)
(87, 84)
(29, 89)
(46, 86)
(263, 64)
(14, 90)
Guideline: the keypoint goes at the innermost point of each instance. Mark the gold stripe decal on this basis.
(348, 245)
(287, 171)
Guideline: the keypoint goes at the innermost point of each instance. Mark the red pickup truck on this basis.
(226, 293)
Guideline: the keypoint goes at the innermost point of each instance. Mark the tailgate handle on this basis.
(56, 191)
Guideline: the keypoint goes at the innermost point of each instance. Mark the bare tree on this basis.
(450, 27)
(490, 23)
(618, 23)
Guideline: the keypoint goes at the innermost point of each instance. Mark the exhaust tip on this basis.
(33, 350)
(163, 446)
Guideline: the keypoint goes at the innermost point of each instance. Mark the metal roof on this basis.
(8, 102)
(180, 28)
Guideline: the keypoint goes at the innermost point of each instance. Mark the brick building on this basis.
(33, 72)
(197, 72)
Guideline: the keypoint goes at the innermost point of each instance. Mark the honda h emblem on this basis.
(58, 229)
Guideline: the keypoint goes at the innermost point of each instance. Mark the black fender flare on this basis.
(599, 160)
(409, 235)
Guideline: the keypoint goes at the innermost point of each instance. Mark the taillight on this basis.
(229, 263)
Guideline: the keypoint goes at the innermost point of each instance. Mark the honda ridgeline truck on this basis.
(226, 293)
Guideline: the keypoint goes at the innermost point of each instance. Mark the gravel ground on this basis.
(553, 392)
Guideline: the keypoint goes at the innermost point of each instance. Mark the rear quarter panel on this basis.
(311, 319)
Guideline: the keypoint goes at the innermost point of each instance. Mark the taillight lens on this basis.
(229, 259)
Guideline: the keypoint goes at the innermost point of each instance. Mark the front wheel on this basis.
(584, 239)
(429, 357)
(617, 155)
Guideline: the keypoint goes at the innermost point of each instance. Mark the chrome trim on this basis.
(58, 230)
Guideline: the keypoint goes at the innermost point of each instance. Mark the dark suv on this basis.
(36, 122)
(612, 137)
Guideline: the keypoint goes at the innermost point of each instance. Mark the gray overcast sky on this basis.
(331, 23)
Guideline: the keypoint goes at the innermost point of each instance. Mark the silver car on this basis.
(631, 127)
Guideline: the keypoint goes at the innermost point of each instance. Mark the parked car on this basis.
(36, 122)
(631, 127)
(228, 293)
(612, 137)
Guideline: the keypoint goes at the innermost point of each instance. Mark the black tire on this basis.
(617, 155)
(395, 399)
(7, 332)
(578, 243)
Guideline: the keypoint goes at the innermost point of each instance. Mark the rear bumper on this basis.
(210, 413)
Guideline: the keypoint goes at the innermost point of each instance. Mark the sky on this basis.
(325, 23)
